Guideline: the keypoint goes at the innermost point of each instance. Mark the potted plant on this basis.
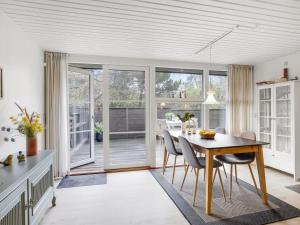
(185, 118)
(98, 131)
(28, 124)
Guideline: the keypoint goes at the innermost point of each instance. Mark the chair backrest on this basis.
(248, 135)
(188, 153)
(169, 143)
(251, 136)
(220, 130)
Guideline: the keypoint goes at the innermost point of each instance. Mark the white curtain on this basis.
(240, 94)
(56, 110)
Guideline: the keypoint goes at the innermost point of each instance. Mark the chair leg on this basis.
(236, 177)
(253, 178)
(230, 181)
(186, 171)
(196, 186)
(184, 163)
(214, 176)
(224, 170)
(166, 162)
(174, 167)
(221, 182)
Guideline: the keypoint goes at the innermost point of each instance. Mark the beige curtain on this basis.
(56, 110)
(240, 94)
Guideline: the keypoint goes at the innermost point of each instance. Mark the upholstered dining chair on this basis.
(239, 159)
(171, 150)
(221, 130)
(197, 163)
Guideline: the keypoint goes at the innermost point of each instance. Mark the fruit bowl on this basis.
(207, 134)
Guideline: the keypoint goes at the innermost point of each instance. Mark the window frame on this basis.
(224, 102)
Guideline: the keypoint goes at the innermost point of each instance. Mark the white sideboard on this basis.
(278, 119)
(27, 190)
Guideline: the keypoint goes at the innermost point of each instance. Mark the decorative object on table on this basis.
(184, 119)
(8, 161)
(1, 83)
(11, 134)
(21, 157)
(265, 82)
(28, 125)
(98, 131)
(286, 71)
(207, 134)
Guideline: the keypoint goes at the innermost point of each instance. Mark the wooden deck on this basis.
(123, 152)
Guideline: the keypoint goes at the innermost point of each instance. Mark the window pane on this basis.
(217, 116)
(217, 113)
(218, 84)
(169, 111)
(183, 84)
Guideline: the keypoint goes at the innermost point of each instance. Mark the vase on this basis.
(31, 146)
(183, 128)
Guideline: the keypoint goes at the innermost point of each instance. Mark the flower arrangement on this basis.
(27, 124)
(186, 117)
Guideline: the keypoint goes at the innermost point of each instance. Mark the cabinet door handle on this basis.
(29, 205)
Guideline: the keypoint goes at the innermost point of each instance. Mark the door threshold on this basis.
(86, 171)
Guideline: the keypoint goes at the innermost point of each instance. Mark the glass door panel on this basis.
(265, 113)
(127, 118)
(80, 117)
(98, 118)
(283, 119)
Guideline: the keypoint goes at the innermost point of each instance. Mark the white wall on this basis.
(22, 63)
(273, 69)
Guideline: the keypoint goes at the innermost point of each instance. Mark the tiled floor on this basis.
(136, 198)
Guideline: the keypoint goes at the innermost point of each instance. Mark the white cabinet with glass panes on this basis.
(278, 124)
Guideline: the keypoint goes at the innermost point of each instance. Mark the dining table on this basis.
(220, 145)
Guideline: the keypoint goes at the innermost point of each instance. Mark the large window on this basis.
(178, 91)
(178, 83)
(217, 81)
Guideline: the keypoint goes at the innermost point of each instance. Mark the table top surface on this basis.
(220, 140)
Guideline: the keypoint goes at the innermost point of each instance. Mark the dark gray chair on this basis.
(197, 163)
(221, 130)
(171, 149)
(239, 159)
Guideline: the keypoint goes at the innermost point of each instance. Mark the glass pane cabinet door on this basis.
(283, 119)
(265, 120)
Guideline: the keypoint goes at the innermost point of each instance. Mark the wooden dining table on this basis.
(220, 145)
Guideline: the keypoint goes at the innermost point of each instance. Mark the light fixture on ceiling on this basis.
(210, 99)
(217, 39)
(247, 27)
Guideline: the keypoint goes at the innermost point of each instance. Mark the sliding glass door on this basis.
(81, 115)
(126, 116)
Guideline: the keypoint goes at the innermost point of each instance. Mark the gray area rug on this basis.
(295, 188)
(83, 180)
(245, 207)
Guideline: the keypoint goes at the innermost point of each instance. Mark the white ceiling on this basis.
(162, 29)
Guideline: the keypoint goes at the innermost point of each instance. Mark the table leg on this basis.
(208, 180)
(261, 173)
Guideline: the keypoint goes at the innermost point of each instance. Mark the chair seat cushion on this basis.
(202, 162)
(243, 158)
